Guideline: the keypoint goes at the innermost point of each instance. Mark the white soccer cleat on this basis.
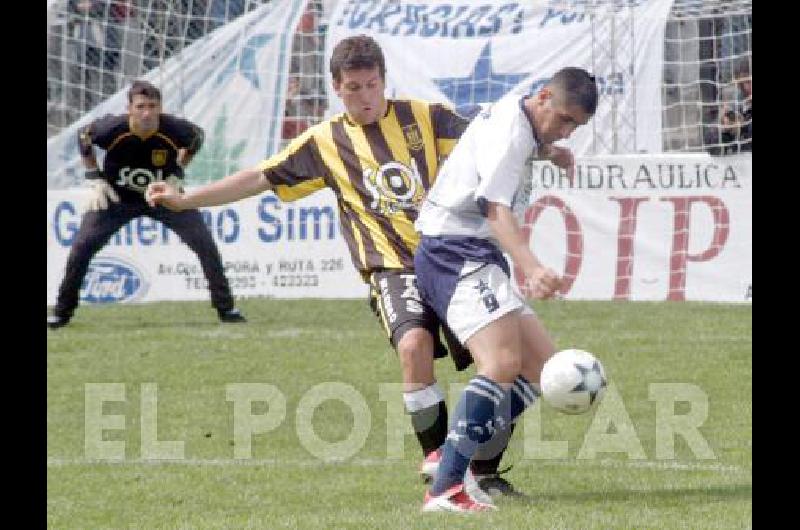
(473, 489)
(454, 500)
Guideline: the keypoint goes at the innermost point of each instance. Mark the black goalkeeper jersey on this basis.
(133, 161)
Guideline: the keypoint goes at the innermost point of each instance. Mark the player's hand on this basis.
(543, 283)
(563, 158)
(100, 195)
(176, 180)
(164, 194)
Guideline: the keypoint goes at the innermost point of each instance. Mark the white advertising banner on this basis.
(471, 51)
(666, 227)
(268, 248)
(628, 228)
(231, 83)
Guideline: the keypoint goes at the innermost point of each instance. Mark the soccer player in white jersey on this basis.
(468, 220)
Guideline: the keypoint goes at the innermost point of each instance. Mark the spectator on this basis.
(744, 108)
(299, 111)
(729, 131)
(87, 42)
(736, 118)
(308, 60)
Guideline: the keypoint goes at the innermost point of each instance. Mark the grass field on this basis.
(296, 345)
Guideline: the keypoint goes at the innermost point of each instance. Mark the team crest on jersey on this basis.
(413, 136)
(394, 187)
(159, 157)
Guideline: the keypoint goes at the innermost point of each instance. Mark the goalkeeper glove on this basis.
(176, 179)
(101, 191)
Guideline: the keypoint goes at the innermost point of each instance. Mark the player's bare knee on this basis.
(415, 344)
(504, 365)
(415, 351)
(531, 372)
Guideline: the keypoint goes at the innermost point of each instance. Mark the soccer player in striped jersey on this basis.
(379, 158)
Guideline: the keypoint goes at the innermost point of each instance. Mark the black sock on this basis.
(488, 456)
(430, 426)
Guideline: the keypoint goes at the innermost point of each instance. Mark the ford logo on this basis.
(112, 280)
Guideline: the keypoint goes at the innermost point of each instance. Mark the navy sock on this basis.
(521, 395)
(473, 423)
(518, 398)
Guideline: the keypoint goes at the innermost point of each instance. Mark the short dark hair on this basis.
(143, 88)
(357, 53)
(577, 86)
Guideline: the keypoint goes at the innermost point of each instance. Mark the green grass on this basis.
(296, 345)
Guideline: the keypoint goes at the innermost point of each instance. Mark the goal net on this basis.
(95, 48)
(708, 64)
(242, 69)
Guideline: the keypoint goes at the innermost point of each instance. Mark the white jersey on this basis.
(491, 162)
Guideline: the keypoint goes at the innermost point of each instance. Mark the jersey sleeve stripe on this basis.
(288, 193)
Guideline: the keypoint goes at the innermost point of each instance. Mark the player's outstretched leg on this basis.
(537, 347)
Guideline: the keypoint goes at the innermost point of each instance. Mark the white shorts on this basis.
(466, 292)
(481, 297)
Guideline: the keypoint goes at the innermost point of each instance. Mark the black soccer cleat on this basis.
(231, 316)
(496, 486)
(55, 321)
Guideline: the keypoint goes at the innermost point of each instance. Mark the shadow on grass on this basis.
(657, 496)
(129, 324)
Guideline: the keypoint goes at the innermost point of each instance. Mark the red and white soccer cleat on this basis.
(454, 500)
(430, 466)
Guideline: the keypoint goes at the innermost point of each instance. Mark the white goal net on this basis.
(708, 64)
(95, 48)
(199, 53)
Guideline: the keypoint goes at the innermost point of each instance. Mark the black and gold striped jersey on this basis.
(379, 172)
(134, 160)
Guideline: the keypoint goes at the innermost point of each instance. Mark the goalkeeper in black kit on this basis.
(142, 146)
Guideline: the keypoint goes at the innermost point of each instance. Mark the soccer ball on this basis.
(573, 381)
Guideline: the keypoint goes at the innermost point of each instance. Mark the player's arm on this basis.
(293, 173)
(97, 132)
(86, 148)
(501, 165)
(101, 132)
(239, 185)
(543, 281)
(194, 141)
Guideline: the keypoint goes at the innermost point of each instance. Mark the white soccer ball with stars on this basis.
(573, 381)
